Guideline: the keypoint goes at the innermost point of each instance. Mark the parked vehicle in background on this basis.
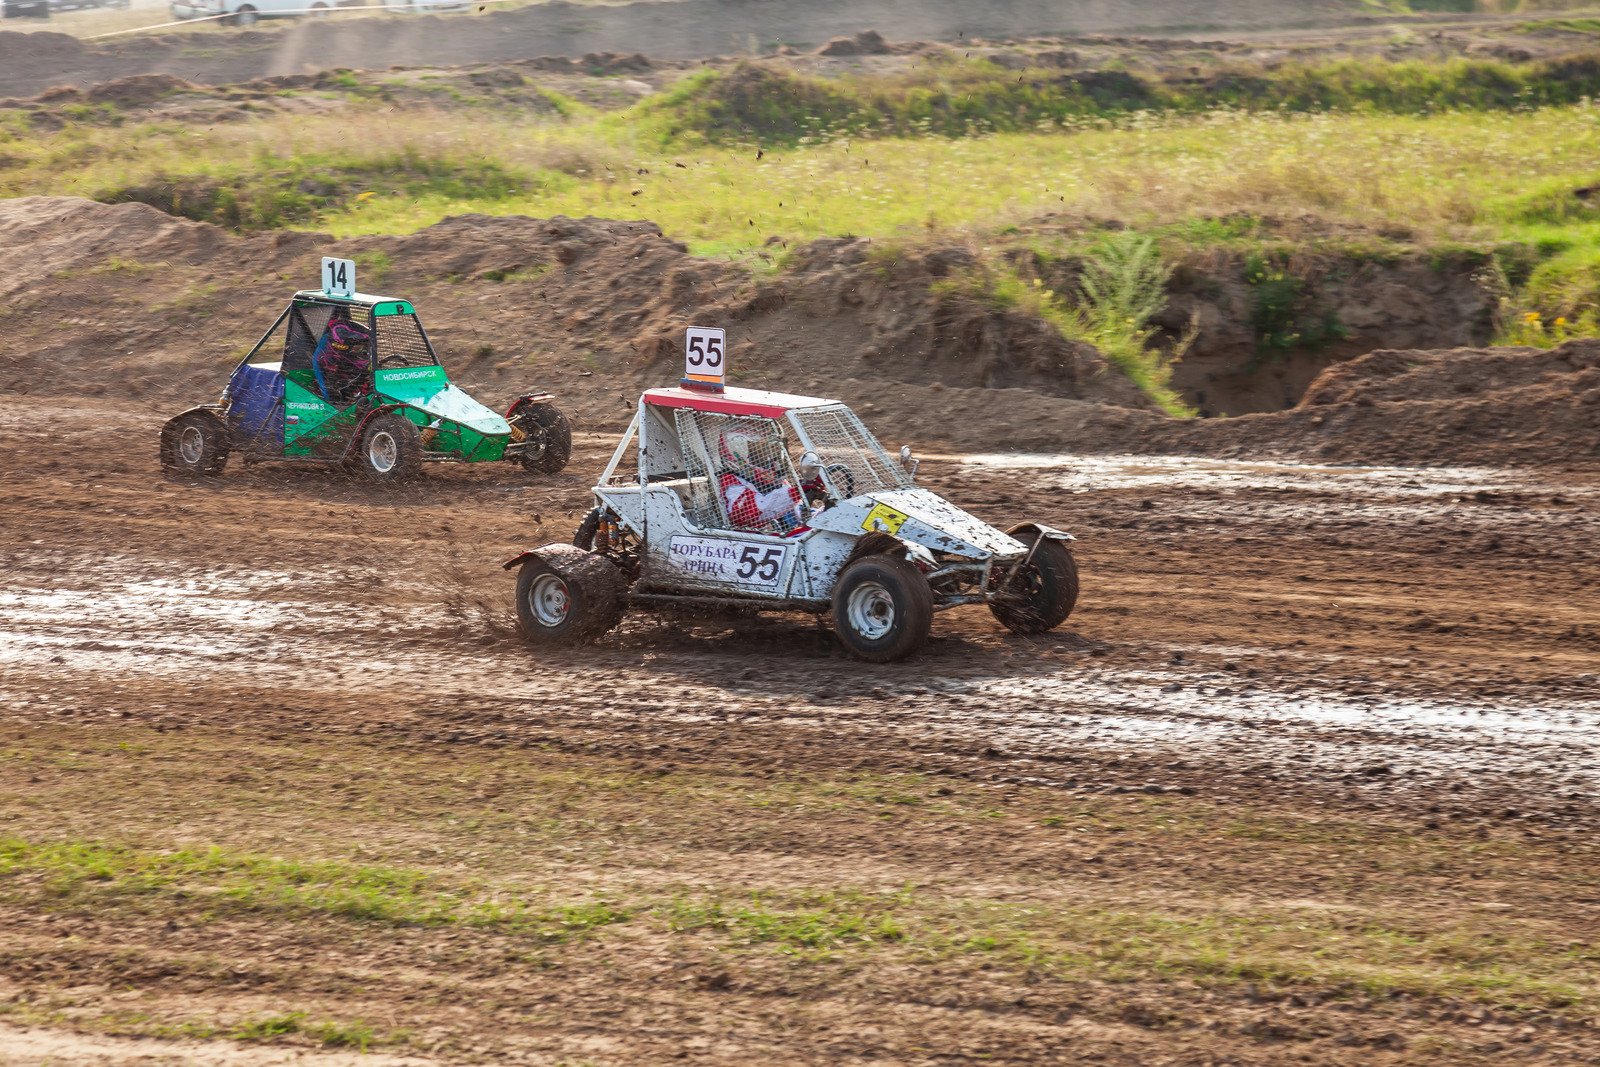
(247, 12)
(24, 9)
(85, 5)
(424, 7)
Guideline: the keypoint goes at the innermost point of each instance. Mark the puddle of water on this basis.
(1085, 473)
(233, 628)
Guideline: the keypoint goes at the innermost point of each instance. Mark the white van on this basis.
(246, 12)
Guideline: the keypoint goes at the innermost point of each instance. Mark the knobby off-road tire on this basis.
(584, 537)
(549, 437)
(390, 449)
(566, 596)
(195, 445)
(1046, 590)
(882, 608)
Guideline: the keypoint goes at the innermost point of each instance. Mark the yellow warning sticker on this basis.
(884, 519)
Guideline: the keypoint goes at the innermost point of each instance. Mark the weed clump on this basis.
(1121, 287)
(280, 192)
(958, 98)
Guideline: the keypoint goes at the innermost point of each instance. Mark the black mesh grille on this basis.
(401, 343)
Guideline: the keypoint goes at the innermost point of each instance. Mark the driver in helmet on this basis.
(341, 360)
(755, 495)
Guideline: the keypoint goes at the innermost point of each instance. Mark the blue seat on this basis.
(256, 412)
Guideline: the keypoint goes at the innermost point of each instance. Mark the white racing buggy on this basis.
(756, 501)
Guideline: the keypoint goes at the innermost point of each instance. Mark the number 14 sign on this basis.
(705, 357)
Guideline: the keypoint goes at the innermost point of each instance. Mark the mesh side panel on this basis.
(401, 343)
(730, 458)
(840, 439)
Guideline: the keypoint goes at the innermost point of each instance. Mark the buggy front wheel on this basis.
(882, 608)
(1040, 596)
(390, 449)
(583, 537)
(195, 444)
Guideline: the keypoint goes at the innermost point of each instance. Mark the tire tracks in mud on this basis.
(1225, 651)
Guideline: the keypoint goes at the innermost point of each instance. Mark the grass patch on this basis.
(1476, 180)
(327, 1032)
(79, 873)
(1058, 939)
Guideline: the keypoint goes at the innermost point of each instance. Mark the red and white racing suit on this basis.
(750, 507)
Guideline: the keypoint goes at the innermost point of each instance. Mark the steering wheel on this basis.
(843, 478)
(397, 361)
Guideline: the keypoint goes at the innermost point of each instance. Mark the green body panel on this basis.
(305, 413)
(452, 423)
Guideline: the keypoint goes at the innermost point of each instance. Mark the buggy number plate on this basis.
(757, 564)
(705, 355)
(338, 276)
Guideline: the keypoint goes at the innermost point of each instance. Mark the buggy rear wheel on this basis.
(548, 435)
(882, 608)
(1043, 594)
(390, 449)
(245, 16)
(566, 596)
(195, 444)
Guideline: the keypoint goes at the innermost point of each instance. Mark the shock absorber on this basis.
(602, 534)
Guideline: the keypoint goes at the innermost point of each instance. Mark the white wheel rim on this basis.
(548, 600)
(192, 444)
(382, 452)
(870, 610)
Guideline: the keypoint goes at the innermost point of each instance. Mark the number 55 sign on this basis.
(705, 356)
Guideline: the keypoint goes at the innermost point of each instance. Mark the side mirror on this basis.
(907, 462)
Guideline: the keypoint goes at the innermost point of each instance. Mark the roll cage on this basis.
(674, 437)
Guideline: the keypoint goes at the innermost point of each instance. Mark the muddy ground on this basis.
(285, 661)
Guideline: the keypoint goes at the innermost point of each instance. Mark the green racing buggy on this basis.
(346, 378)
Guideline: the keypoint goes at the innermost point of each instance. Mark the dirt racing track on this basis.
(1245, 627)
(1280, 612)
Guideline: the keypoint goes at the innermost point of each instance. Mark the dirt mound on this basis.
(139, 301)
(865, 43)
(139, 90)
(128, 300)
(1452, 406)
